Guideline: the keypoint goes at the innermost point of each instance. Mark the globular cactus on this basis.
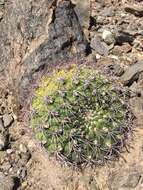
(79, 116)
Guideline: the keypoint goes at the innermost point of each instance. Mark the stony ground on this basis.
(115, 34)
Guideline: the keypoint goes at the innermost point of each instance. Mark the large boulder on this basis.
(35, 34)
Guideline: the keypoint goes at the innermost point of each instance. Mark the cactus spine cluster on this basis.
(79, 116)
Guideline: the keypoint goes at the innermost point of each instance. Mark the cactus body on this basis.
(79, 116)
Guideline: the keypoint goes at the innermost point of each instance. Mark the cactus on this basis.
(79, 116)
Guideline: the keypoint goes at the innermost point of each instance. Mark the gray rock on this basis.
(6, 183)
(132, 73)
(119, 50)
(7, 120)
(99, 46)
(82, 9)
(48, 32)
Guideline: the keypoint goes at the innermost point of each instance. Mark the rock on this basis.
(38, 34)
(82, 10)
(6, 183)
(135, 10)
(124, 37)
(1, 126)
(116, 69)
(99, 46)
(132, 73)
(119, 50)
(132, 180)
(59, 45)
(7, 120)
(3, 141)
(2, 2)
(23, 148)
(9, 151)
(108, 37)
(22, 172)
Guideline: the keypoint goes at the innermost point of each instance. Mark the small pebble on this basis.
(23, 148)
(108, 37)
(9, 151)
(7, 120)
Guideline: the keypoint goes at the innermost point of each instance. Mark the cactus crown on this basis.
(79, 116)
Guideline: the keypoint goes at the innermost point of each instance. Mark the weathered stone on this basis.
(35, 35)
(136, 10)
(99, 46)
(6, 183)
(7, 120)
(83, 10)
(108, 37)
(119, 50)
(132, 73)
(23, 148)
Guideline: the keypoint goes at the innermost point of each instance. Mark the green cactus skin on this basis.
(79, 116)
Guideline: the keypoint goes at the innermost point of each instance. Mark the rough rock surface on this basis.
(132, 73)
(83, 11)
(35, 34)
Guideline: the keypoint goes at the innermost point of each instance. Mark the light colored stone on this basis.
(9, 151)
(7, 120)
(108, 37)
(22, 148)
